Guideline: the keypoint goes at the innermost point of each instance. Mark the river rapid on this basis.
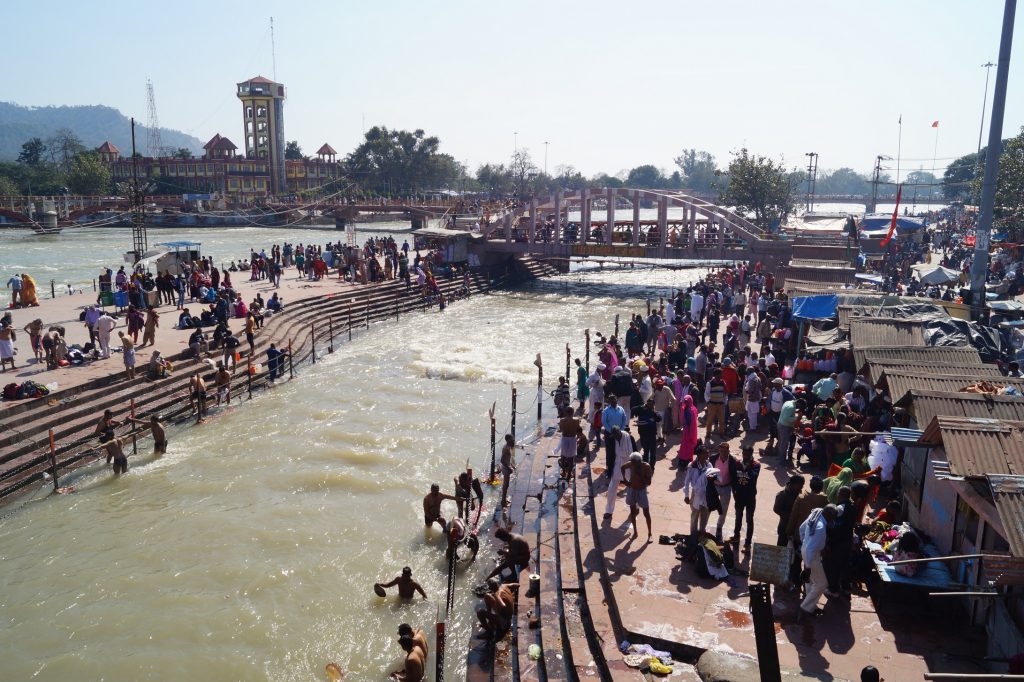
(248, 551)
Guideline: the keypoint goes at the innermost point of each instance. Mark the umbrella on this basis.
(936, 274)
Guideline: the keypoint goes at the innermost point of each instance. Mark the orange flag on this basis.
(895, 215)
(935, 124)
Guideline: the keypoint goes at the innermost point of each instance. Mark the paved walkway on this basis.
(65, 311)
(659, 596)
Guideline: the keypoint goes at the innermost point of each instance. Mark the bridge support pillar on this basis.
(636, 217)
(585, 221)
(508, 227)
(533, 221)
(609, 196)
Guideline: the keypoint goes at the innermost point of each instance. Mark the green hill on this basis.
(94, 124)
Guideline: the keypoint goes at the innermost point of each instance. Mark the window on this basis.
(191, 169)
(261, 112)
(262, 126)
(263, 154)
(261, 141)
(249, 142)
(247, 183)
(248, 112)
(248, 127)
(233, 183)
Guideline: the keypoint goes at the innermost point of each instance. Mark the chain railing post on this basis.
(53, 460)
(350, 320)
(291, 365)
(312, 338)
(135, 441)
(586, 340)
(330, 324)
(513, 427)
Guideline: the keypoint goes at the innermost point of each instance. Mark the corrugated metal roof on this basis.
(804, 288)
(916, 357)
(899, 382)
(925, 405)
(826, 275)
(817, 263)
(1008, 496)
(847, 312)
(867, 332)
(876, 369)
(976, 447)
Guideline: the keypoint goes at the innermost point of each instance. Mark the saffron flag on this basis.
(895, 214)
(935, 124)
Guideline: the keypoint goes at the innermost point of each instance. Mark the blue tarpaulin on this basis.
(877, 222)
(821, 307)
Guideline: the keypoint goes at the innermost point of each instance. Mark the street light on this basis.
(812, 176)
(515, 142)
(546, 143)
(984, 100)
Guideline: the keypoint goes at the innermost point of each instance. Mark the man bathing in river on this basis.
(432, 507)
(415, 661)
(418, 637)
(156, 427)
(407, 587)
(116, 453)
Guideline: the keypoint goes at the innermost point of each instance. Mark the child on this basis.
(595, 423)
(807, 447)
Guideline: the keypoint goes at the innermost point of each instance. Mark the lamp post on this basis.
(546, 143)
(812, 176)
(984, 100)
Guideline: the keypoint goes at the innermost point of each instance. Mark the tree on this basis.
(759, 185)
(8, 187)
(956, 181)
(182, 153)
(604, 180)
(1009, 206)
(569, 178)
(496, 179)
(88, 174)
(523, 171)
(842, 182)
(395, 161)
(699, 171)
(32, 152)
(646, 177)
(63, 146)
(292, 151)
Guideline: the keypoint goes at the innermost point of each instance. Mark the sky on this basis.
(608, 85)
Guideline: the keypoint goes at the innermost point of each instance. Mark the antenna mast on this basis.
(273, 51)
(152, 123)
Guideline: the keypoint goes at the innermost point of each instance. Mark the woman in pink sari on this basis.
(688, 425)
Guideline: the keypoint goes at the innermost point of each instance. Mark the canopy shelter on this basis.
(935, 274)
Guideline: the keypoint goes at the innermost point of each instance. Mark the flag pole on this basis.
(899, 150)
(935, 151)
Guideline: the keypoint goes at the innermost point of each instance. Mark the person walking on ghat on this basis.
(7, 339)
(695, 490)
(812, 543)
(508, 465)
(727, 467)
(128, 351)
(149, 330)
(623, 444)
(637, 473)
(744, 492)
(104, 325)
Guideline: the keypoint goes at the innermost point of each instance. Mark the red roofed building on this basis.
(108, 152)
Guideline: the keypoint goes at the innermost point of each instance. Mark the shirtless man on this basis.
(517, 555)
(499, 605)
(570, 428)
(637, 475)
(415, 661)
(432, 506)
(407, 587)
(105, 427)
(197, 396)
(458, 535)
(418, 637)
(222, 381)
(114, 452)
(465, 486)
(508, 465)
(155, 427)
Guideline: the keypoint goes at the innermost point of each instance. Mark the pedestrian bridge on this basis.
(685, 227)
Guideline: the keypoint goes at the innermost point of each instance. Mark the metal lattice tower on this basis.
(152, 122)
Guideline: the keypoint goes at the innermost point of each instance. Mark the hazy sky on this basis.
(610, 85)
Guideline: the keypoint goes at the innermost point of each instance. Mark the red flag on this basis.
(895, 214)
(935, 124)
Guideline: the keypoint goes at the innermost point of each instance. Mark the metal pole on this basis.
(586, 336)
(312, 337)
(494, 432)
(53, 291)
(135, 441)
(568, 363)
(513, 426)
(53, 460)
(764, 632)
(367, 311)
(249, 370)
(330, 323)
(540, 389)
(291, 365)
(350, 320)
(616, 326)
(984, 101)
(396, 305)
(983, 230)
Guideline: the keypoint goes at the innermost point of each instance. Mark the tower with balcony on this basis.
(263, 117)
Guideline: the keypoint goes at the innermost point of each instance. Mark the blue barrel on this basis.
(121, 299)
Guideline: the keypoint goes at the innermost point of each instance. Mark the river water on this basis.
(248, 551)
